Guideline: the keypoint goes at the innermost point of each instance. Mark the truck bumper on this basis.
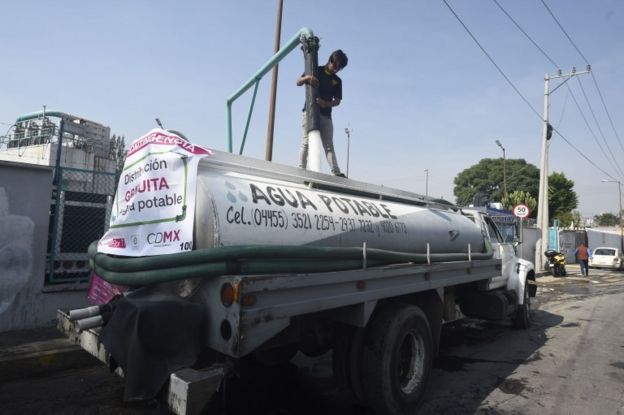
(188, 390)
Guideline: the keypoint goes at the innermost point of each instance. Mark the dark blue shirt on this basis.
(330, 88)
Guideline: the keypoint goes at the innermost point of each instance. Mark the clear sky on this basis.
(418, 92)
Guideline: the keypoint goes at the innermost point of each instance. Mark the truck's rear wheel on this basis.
(396, 360)
(347, 360)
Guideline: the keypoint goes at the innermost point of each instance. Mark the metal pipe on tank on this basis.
(303, 33)
(310, 46)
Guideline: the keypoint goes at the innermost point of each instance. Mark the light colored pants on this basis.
(327, 139)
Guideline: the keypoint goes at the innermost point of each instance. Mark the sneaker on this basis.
(340, 175)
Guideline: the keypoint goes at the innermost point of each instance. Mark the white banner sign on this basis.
(154, 208)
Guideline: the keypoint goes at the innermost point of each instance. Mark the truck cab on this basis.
(516, 273)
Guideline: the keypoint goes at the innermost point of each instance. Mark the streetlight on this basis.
(498, 143)
(348, 132)
(620, 212)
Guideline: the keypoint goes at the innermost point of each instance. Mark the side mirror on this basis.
(516, 241)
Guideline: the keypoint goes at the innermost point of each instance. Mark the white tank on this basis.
(234, 207)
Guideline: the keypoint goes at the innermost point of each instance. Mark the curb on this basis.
(34, 358)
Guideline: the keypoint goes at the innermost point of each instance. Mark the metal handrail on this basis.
(303, 33)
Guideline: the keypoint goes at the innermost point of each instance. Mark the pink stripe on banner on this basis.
(160, 138)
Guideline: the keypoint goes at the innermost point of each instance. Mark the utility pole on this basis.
(348, 132)
(426, 182)
(271, 127)
(542, 208)
(504, 168)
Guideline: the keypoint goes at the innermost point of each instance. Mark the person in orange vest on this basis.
(582, 254)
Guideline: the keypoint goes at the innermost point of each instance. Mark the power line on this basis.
(591, 130)
(607, 111)
(565, 105)
(492, 60)
(593, 77)
(565, 33)
(526, 34)
(519, 93)
(582, 155)
(615, 166)
(600, 129)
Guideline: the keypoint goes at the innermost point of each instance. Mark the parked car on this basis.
(606, 257)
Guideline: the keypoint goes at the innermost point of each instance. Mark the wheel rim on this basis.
(411, 363)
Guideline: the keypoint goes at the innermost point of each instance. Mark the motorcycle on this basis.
(556, 263)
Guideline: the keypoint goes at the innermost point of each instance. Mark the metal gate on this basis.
(79, 214)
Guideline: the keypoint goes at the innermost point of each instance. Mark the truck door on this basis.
(502, 250)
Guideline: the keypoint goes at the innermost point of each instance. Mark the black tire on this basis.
(522, 319)
(340, 356)
(347, 359)
(397, 357)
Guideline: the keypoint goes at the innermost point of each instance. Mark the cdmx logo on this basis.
(156, 238)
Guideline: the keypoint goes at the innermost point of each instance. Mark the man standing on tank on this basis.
(329, 96)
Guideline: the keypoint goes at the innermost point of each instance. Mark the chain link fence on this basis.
(79, 214)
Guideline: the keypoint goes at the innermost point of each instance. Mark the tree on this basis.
(578, 221)
(486, 177)
(606, 219)
(564, 219)
(562, 198)
(484, 181)
(519, 197)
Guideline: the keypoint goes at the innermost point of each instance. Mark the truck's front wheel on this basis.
(522, 319)
(397, 358)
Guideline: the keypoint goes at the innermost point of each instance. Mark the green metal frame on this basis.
(54, 277)
(255, 79)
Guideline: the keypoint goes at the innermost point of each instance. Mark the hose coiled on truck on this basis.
(255, 259)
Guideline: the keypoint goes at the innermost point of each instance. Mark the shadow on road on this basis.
(477, 357)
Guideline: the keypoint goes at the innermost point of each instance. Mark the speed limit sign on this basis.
(521, 211)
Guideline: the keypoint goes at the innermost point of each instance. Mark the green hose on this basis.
(253, 259)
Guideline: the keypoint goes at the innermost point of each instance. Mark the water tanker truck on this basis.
(213, 260)
(285, 260)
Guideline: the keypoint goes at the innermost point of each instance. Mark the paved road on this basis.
(570, 362)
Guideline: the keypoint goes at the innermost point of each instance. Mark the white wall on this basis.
(25, 193)
(603, 237)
